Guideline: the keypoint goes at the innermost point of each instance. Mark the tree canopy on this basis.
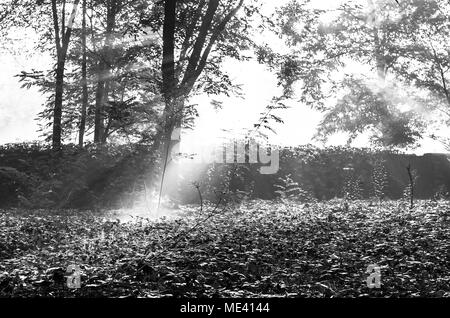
(379, 67)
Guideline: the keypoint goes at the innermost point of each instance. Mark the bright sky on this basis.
(19, 107)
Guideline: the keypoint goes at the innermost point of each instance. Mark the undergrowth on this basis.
(257, 249)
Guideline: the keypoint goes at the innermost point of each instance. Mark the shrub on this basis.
(289, 189)
(97, 175)
(13, 185)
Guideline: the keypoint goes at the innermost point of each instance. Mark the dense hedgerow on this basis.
(33, 176)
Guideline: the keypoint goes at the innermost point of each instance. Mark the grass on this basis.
(256, 249)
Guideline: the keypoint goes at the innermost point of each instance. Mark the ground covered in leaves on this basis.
(256, 249)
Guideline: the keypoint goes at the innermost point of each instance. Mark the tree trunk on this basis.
(62, 45)
(169, 83)
(103, 76)
(99, 111)
(83, 80)
(57, 111)
(176, 87)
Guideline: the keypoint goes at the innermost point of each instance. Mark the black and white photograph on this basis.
(220, 155)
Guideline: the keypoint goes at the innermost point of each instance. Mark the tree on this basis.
(127, 103)
(425, 62)
(200, 37)
(366, 108)
(120, 42)
(118, 91)
(139, 85)
(197, 36)
(113, 7)
(85, 98)
(381, 35)
(6, 9)
(62, 40)
(50, 19)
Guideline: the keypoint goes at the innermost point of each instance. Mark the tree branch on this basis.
(442, 75)
(190, 31)
(63, 18)
(190, 80)
(56, 27)
(200, 41)
(68, 32)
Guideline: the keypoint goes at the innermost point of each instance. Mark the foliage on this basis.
(124, 59)
(232, 182)
(289, 189)
(114, 176)
(95, 176)
(380, 179)
(401, 77)
(442, 193)
(261, 249)
(352, 189)
(13, 184)
(366, 108)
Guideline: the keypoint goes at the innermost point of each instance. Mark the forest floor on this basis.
(256, 249)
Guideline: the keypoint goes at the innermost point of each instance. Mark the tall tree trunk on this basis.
(57, 110)
(83, 80)
(104, 74)
(171, 115)
(99, 124)
(62, 44)
(176, 87)
(169, 85)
